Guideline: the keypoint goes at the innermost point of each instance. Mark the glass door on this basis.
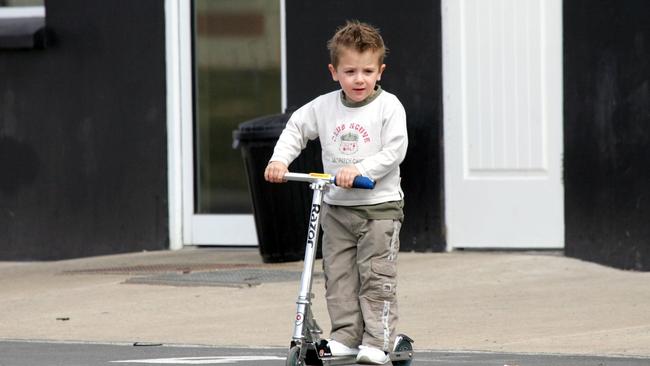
(236, 73)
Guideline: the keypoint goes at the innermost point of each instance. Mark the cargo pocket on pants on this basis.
(384, 278)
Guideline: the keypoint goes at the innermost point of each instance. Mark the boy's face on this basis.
(357, 72)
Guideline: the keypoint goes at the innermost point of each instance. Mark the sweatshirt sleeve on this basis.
(300, 128)
(394, 142)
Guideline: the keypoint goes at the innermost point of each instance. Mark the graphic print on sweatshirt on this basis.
(349, 137)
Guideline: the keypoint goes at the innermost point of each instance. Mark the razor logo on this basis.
(313, 218)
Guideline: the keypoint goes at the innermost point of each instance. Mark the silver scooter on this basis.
(307, 348)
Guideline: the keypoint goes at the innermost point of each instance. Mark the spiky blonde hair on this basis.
(358, 36)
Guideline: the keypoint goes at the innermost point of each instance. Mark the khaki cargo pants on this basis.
(360, 265)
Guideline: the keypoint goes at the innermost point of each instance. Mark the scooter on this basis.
(307, 348)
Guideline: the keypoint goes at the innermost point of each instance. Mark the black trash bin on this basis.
(281, 210)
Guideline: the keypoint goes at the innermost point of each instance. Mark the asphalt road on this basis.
(21, 353)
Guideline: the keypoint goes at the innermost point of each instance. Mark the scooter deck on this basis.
(351, 360)
(340, 360)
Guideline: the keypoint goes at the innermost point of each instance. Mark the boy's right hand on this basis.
(275, 172)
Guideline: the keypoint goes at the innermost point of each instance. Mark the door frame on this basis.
(177, 31)
(186, 227)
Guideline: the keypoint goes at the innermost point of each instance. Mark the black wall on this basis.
(413, 73)
(83, 135)
(607, 131)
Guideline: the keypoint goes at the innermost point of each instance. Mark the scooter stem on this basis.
(304, 297)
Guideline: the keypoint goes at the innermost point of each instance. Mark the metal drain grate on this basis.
(233, 278)
(158, 268)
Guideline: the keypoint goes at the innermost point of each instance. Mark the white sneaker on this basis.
(372, 356)
(340, 349)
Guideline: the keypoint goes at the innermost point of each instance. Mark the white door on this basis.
(502, 63)
(229, 72)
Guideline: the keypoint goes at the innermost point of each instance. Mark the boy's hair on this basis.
(358, 36)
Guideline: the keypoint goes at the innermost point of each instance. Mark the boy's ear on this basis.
(332, 70)
(381, 70)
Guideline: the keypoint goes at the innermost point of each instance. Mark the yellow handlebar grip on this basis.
(321, 175)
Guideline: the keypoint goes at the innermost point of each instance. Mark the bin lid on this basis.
(261, 128)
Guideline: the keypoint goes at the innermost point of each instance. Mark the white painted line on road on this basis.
(203, 360)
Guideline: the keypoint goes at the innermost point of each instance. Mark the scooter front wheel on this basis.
(293, 357)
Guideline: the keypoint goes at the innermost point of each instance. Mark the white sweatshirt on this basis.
(372, 137)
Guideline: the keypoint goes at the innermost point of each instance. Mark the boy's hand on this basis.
(345, 176)
(275, 171)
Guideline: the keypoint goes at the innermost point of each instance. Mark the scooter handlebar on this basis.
(360, 181)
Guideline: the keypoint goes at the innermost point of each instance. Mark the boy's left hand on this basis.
(345, 176)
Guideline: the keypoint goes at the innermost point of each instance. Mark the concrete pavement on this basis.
(536, 302)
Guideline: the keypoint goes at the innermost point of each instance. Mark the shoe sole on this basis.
(367, 361)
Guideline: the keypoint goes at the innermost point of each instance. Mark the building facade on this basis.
(526, 121)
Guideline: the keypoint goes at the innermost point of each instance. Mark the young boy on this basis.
(362, 131)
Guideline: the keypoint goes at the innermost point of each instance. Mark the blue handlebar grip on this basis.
(360, 182)
(363, 182)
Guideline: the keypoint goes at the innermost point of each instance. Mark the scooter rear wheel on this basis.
(403, 346)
